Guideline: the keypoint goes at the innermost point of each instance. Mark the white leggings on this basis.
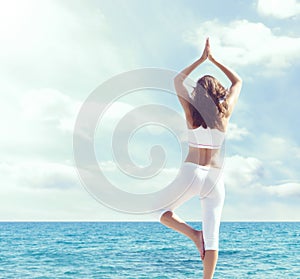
(207, 183)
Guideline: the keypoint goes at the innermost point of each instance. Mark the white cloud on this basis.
(286, 190)
(38, 124)
(273, 148)
(39, 174)
(240, 172)
(246, 186)
(49, 105)
(235, 132)
(279, 9)
(247, 209)
(244, 43)
(251, 174)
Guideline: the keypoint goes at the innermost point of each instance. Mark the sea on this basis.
(145, 250)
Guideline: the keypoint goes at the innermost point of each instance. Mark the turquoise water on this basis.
(144, 250)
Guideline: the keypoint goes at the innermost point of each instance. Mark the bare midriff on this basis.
(204, 157)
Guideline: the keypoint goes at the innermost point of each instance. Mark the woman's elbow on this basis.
(238, 81)
(180, 77)
(178, 80)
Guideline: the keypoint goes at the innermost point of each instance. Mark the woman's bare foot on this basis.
(199, 242)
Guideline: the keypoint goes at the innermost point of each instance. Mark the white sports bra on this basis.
(205, 138)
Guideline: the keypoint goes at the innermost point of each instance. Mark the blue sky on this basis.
(55, 53)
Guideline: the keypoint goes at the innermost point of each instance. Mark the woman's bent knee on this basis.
(165, 215)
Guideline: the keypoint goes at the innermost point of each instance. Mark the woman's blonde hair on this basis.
(208, 105)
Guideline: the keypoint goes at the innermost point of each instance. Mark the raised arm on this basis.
(185, 72)
(236, 81)
(181, 91)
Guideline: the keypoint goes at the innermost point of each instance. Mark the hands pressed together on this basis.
(207, 52)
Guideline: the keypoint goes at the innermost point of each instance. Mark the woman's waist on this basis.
(206, 159)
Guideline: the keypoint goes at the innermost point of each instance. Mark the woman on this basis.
(207, 112)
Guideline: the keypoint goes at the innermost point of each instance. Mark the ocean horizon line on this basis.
(141, 221)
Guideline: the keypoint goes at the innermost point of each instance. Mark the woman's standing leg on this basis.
(210, 263)
(212, 206)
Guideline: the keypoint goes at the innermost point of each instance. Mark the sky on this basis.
(54, 54)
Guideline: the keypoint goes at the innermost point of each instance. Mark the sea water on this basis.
(144, 250)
